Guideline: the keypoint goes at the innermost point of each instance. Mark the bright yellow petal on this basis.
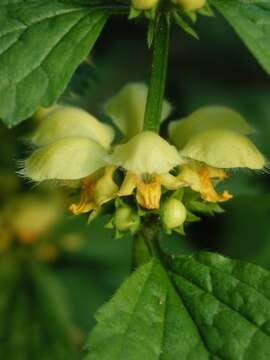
(146, 153)
(67, 121)
(171, 182)
(224, 149)
(86, 203)
(105, 188)
(149, 194)
(95, 192)
(127, 109)
(199, 179)
(206, 118)
(129, 185)
(66, 159)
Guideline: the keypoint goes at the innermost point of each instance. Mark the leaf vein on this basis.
(224, 304)
(48, 54)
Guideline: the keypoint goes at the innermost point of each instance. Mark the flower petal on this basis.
(199, 177)
(224, 149)
(66, 159)
(146, 153)
(206, 118)
(149, 194)
(66, 121)
(127, 109)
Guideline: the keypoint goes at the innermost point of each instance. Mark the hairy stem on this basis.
(146, 245)
(158, 73)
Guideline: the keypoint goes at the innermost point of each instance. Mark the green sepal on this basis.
(134, 13)
(151, 14)
(192, 217)
(150, 33)
(205, 208)
(206, 11)
(180, 230)
(184, 25)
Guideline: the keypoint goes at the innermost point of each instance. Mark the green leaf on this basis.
(251, 21)
(144, 320)
(205, 307)
(41, 44)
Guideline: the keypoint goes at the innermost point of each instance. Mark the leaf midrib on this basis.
(193, 320)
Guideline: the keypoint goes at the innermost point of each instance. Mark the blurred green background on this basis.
(47, 305)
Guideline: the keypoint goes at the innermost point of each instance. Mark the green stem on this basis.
(141, 253)
(158, 73)
(146, 245)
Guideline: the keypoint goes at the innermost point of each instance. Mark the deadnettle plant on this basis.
(174, 306)
(143, 175)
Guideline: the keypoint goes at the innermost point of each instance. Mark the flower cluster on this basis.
(142, 175)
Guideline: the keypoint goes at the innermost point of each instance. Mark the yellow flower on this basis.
(211, 140)
(148, 159)
(96, 190)
(73, 146)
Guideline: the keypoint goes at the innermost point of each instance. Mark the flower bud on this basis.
(125, 219)
(191, 5)
(174, 214)
(144, 4)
